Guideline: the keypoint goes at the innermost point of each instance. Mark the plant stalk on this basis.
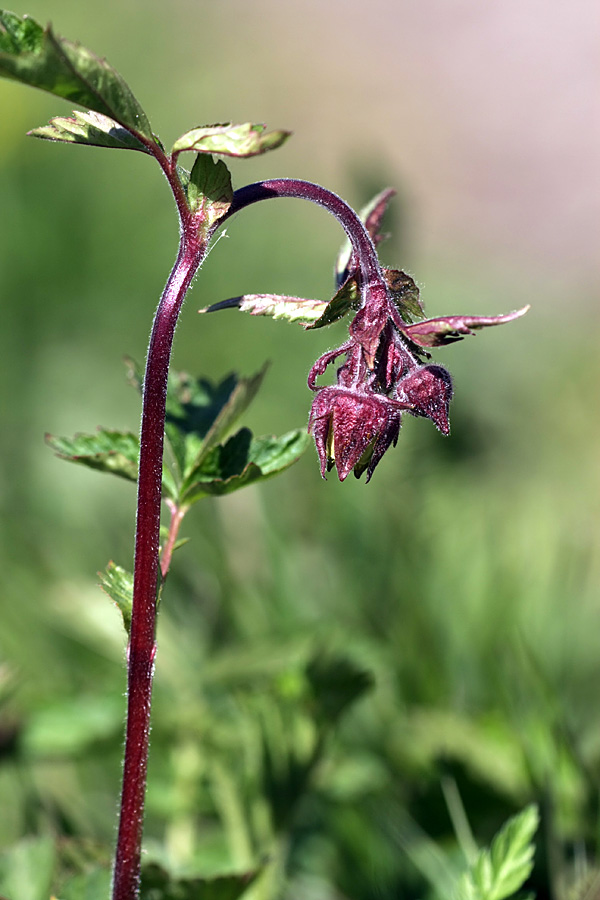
(142, 647)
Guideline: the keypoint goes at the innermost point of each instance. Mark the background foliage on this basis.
(465, 579)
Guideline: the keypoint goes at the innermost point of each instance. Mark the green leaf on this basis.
(157, 884)
(336, 683)
(345, 299)
(108, 451)
(241, 461)
(38, 57)
(405, 294)
(70, 726)
(118, 584)
(209, 191)
(448, 329)
(371, 216)
(94, 885)
(26, 870)
(230, 140)
(116, 452)
(199, 414)
(278, 306)
(499, 872)
(89, 128)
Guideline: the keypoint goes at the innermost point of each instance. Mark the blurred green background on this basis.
(465, 577)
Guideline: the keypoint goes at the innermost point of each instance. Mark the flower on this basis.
(353, 428)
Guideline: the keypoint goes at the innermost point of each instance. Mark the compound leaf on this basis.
(37, 56)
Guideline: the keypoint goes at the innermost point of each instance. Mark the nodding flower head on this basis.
(386, 371)
(353, 428)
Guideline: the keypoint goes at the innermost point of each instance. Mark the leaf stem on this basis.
(177, 515)
(141, 650)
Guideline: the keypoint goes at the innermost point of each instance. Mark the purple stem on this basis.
(142, 646)
(373, 281)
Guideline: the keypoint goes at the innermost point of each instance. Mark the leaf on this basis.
(38, 57)
(405, 294)
(157, 884)
(230, 140)
(209, 191)
(241, 461)
(69, 727)
(371, 216)
(336, 683)
(88, 128)
(346, 298)
(199, 414)
(278, 306)
(94, 885)
(116, 452)
(118, 584)
(108, 451)
(448, 329)
(26, 869)
(500, 871)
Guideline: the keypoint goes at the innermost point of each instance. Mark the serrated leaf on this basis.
(209, 191)
(118, 584)
(199, 414)
(90, 128)
(405, 294)
(158, 884)
(499, 872)
(448, 329)
(26, 869)
(108, 451)
(371, 216)
(241, 461)
(38, 57)
(116, 452)
(278, 306)
(346, 298)
(230, 140)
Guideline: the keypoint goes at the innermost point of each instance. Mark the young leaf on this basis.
(241, 461)
(278, 306)
(371, 216)
(118, 584)
(38, 57)
(405, 294)
(448, 329)
(209, 191)
(500, 871)
(230, 140)
(90, 128)
(345, 299)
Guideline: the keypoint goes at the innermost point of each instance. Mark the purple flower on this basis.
(353, 428)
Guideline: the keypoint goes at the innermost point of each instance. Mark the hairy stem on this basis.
(373, 281)
(141, 648)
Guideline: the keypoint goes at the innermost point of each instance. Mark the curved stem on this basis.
(372, 277)
(141, 648)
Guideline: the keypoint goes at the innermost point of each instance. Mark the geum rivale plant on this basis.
(385, 371)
